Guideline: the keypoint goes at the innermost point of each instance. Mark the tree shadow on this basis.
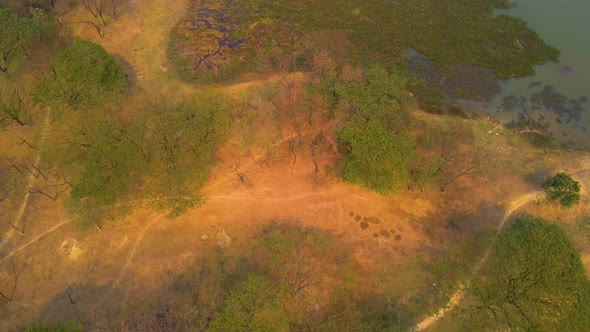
(176, 301)
(192, 295)
(461, 225)
(535, 179)
(130, 73)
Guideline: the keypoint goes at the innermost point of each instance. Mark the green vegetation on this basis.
(168, 152)
(449, 32)
(534, 132)
(83, 75)
(13, 107)
(18, 36)
(99, 159)
(267, 34)
(252, 306)
(562, 189)
(376, 140)
(295, 279)
(533, 281)
(182, 139)
(69, 326)
(339, 100)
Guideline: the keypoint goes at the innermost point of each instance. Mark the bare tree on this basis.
(464, 169)
(96, 8)
(239, 173)
(443, 157)
(102, 11)
(317, 148)
(12, 108)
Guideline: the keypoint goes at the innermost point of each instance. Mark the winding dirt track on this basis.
(456, 298)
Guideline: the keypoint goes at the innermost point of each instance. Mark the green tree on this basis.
(17, 35)
(562, 189)
(100, 159)
(83, 75)
(253, 305)
(182, 139)
(376, 141)
(13, 107)
(533, 281)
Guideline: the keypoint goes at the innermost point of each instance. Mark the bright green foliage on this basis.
(253, 306)
(69, 326)
(83, 75)
(448, 32)
(12, 107)
(166, 156)
(562, 189)
(17, 35)
(533, 281)
(376, 141)
(100, 160)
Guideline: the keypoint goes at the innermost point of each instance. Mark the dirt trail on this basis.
(301, 196)
(133, 250)
(35, 239)
(458, 295)
(23, 206)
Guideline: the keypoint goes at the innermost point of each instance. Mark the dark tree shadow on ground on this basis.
(535, 179)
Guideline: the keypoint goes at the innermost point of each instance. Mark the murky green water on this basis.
(562, 90)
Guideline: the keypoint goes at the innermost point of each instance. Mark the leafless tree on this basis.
(12, 107)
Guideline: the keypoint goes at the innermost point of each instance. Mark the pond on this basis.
(557, 95)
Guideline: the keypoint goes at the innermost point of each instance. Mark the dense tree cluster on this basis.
(376, 140)
(533, 281)
(18, 36)
(83, 75)
(562, 189)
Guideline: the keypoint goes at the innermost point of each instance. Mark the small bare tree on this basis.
(102, 11)
(96, 8)
(12, 108)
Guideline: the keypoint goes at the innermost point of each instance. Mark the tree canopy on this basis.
(533, 281)
(83, 75)
(562, 189)
(166, 154)
(181, 141)
(17, 34)
(252, 306)
(376, 141)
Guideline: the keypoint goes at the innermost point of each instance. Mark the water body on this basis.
(558, 93)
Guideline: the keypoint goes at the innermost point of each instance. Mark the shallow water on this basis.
(564, 105)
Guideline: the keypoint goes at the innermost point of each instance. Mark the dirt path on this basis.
(35, 239)
(23, 206)
(275, 199)
(133, 250)
(456, 298)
